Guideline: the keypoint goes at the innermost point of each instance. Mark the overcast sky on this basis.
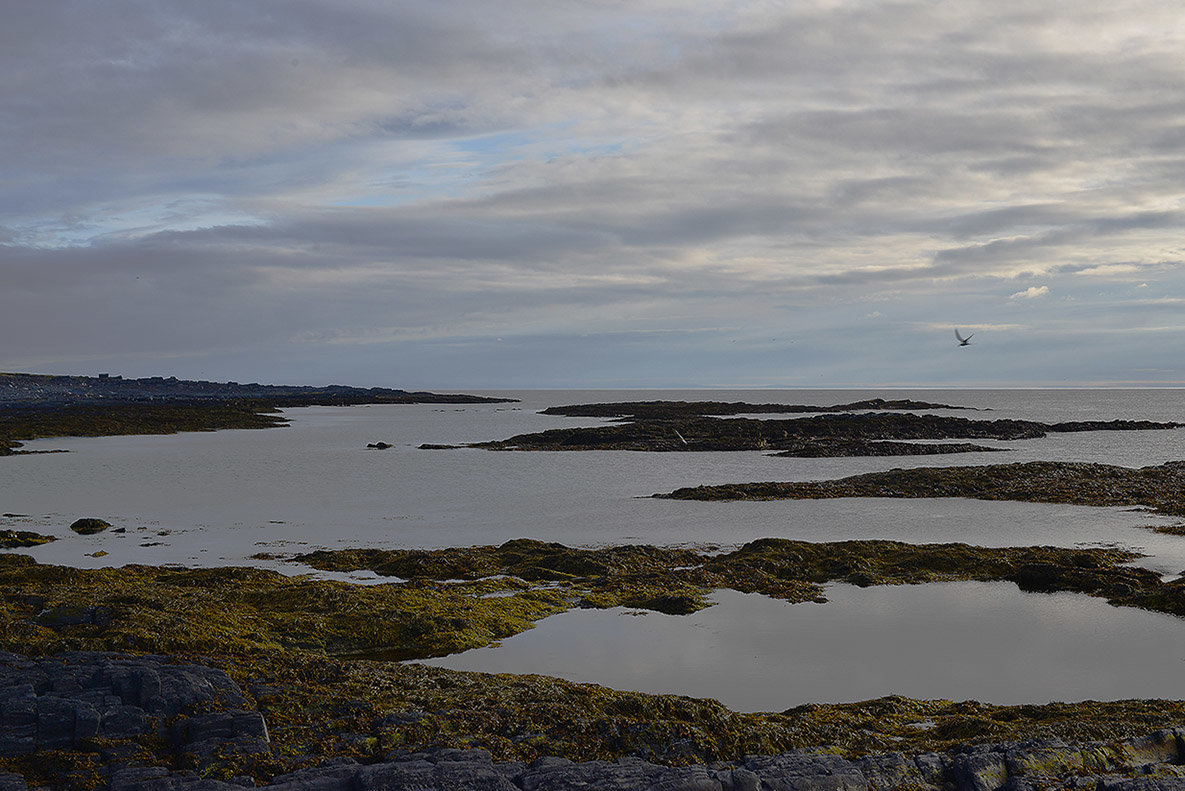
(575, 193)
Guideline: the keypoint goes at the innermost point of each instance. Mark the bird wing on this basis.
(961, 338)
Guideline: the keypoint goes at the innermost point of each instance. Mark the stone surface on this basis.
(200, 718)
(89, 525)
(53, 704)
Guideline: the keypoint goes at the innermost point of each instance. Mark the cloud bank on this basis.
(592, 193)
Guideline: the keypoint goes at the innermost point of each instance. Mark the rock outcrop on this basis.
(1144, 765)
(197, 718)
(78, 700)
(89, 525)
(837, 434)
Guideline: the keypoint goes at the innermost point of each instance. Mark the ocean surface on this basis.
(218, 498)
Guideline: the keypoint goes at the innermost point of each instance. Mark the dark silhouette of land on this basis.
(34, 406)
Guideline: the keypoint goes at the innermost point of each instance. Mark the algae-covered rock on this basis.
(23, 538)
(1160, 487)
(89, 526)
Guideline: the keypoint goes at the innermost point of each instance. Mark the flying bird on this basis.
(964, 341)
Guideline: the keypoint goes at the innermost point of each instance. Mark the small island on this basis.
(845, 430)
(675, 409)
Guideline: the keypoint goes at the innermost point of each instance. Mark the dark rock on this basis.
(893, 770)
(10, 539)
(11, 782)
(1144, 784)
(219, 726)
(980, 771)
(89, 526)
(380, 445)
(472, 771)
(805, 770)
(74, 615)
(136, 777)
(53, 704)
(738, 780)
(623, 774)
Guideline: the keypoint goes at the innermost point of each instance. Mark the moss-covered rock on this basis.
(846, 434)
(10, 539)
(89, 525)
(1160, 487)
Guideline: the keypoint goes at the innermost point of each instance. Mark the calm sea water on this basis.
(223, 496)
(219, 498)
(954, 641)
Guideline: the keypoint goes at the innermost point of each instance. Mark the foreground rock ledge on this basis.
(141, 718)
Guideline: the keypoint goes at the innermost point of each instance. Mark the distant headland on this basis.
(34, 406)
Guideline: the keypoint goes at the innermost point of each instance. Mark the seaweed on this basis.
(1161, 487)
(316, 655)
(845, 434)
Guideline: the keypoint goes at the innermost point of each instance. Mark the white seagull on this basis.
(964, 341)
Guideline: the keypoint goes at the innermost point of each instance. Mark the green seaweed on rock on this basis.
(296, 644)
(13, 539)
(1160, 488)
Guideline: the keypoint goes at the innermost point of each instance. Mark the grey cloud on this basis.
(303, 172)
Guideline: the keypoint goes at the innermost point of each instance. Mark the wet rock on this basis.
(985, 771)
(806, 770)
(53, 704)
(379, 445)
(10, 539)
(89, 526)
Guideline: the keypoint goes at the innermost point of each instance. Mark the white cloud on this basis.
(1032, 292)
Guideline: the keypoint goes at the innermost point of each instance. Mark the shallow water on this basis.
(219, 498)
(957, 641)
(224, 496)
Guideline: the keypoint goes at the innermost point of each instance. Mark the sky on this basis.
(595, 193)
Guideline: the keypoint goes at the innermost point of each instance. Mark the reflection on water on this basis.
(958, 641)
(223, 498)
(228, 495)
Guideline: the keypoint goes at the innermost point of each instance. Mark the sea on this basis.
(257, 497)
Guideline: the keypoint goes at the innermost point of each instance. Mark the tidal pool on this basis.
(959, 641)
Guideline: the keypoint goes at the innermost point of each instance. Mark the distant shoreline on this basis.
(40, 406)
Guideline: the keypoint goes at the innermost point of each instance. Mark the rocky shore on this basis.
(688, 427)
(149, 678)
(162, 678)
(103, 720)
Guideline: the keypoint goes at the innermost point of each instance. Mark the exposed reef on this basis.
(13, 539)
(675, 580)
(1161, 487)
(675, 409)
(289, 676)
(34, 406)
(831, 449)
(820, 435)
